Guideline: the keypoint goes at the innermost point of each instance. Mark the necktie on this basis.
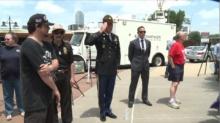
(142, 45)
(109, 35)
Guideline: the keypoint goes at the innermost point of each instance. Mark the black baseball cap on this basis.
(108, 19)
(39, 19)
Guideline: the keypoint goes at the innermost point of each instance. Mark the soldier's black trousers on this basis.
(64, 87)
(105, 85)
(134, 80)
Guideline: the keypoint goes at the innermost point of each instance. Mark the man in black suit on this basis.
(107, 61)
(139, 51)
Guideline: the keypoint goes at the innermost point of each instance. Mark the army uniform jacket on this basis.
(108, 52)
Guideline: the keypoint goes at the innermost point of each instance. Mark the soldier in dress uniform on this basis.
(107, 61)
(64, 74)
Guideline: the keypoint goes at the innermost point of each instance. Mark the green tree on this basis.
(194, 37)
(214, 38)
(180, 15)
(152, 17)
(176, 17)
(172, 17)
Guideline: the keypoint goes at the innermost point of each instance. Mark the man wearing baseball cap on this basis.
(64, 73)
(107, 61)
(38, 61)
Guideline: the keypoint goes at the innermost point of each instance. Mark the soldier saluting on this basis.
(107, 61)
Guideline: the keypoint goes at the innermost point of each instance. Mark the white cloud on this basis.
(203, 1)
(209, 14)
(141, 8)
(176, 3)
(93, 16)
(49, 6)
(204, 23)
(12, 3)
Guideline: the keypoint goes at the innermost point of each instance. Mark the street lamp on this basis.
(9, 22)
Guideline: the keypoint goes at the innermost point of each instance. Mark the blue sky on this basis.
(204, 14)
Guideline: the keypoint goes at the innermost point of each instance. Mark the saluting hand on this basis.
(103, 27)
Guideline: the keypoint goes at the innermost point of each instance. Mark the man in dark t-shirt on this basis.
(38, 61)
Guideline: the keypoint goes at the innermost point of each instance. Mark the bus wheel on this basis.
(158, 60)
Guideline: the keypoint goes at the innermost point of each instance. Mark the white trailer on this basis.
(157, 33)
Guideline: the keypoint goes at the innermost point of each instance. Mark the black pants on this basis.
(105, 86)
(134, 80)
(64, 87)
(40, 116)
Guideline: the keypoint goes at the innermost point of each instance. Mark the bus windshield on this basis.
(77, 38)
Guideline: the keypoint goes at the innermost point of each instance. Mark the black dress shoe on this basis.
(103, 118)
(130, 104)
(147, 102)
(111, 115)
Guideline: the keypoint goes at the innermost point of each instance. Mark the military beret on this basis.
(108, 19)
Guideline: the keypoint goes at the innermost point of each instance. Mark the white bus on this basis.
(157, 33)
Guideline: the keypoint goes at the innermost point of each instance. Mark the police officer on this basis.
(64, 74)
(107, 61)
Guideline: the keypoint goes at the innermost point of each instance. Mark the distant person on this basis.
(107, 62)
(64, 74)
(216, 57)
(38, 62)
(10, 72)
(176, 70)
(138, 54)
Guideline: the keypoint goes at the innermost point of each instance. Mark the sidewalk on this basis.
(196, 94)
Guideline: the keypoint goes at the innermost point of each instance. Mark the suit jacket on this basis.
(108, 52)
(138, 57)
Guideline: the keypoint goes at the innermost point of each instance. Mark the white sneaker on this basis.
(177, 101)
(9, 117)
(174, 105)
(22, 114)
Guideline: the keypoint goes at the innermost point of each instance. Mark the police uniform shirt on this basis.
(64, 55)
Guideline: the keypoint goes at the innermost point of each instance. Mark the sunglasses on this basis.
(58, 32)
(7, 39)
(142, 31)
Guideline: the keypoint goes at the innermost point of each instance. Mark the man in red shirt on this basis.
(176, 59)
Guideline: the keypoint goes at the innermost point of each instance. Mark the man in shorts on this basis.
(176, 70)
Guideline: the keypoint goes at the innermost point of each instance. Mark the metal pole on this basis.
(89, 77)
(88, 71)
(9, 22)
